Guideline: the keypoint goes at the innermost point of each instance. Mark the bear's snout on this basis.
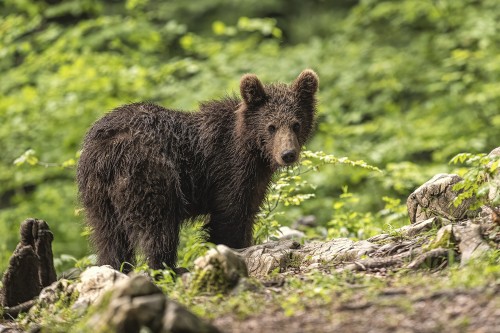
(286, 147)
(289, 156)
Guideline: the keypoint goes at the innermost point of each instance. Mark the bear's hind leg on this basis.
(160, 243)
(150, 204)
(113, 249)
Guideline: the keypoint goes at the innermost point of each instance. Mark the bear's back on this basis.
(139, 121)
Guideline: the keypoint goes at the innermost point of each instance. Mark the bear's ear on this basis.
(252, 90)
(306, 84)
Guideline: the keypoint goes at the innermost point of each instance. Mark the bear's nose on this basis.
(289, 156)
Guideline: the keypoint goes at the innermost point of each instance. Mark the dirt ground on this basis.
(457, 298)
(395, 310)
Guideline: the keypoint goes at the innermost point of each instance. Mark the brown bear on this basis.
(145, 169)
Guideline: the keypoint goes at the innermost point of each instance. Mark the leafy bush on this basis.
(290, 189)
(480, 180)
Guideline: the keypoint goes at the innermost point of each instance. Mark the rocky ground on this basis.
(440, 273)
(395, 310)
(398, 283)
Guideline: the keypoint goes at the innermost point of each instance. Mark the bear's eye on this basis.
(296, 127)
(271, 129)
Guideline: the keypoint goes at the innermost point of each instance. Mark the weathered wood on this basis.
(435, 198)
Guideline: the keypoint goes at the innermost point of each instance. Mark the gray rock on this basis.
(138, 285)
(336, 251)
(58, 289)
(177, 319)
(305, 221)
(470, 241)
(268, 257)
(277, 256)
(51, 300)
(126, 314)
(218, 270)
(94, 282)
(435, 198)
(132, 303)
(422, 226)
(287, 233)
(246, 284)
(444, 237)
(135, 304)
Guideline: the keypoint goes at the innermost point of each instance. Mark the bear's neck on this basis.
(221, 136)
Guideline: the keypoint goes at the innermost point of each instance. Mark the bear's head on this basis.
(277, 119)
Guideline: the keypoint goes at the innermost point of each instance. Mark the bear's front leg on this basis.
(233, 231)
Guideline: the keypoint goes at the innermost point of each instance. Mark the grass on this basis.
(318, 289)
(296, 295)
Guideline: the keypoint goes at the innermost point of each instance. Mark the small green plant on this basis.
(192, 245)
(291, 189)
(480, 180)
(394, 211)
(66, 261)
(347, 221)
(29, 157)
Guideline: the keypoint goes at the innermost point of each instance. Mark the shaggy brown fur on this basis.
(145, 169)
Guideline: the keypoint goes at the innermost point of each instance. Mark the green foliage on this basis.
(29, 157)
(290, 188)
(192, 245)
(405, 85)
(480, 180)
(347, 221)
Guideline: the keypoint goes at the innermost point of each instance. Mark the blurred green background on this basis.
(405, 85)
